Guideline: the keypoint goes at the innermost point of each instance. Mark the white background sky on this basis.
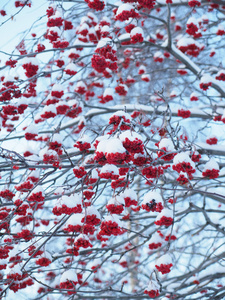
(10, 32)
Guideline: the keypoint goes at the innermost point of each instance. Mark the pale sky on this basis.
(10, 32)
